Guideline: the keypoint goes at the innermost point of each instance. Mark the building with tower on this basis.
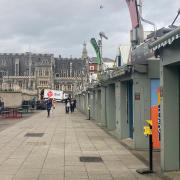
(36, 72)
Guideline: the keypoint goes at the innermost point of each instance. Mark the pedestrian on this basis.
(74, 103)
(54, 103)
(48, 106)
(72, 106)
(68, 105)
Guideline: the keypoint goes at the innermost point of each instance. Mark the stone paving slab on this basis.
(56, 155)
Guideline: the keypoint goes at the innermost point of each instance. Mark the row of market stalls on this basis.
(125, 98)
(122, 102)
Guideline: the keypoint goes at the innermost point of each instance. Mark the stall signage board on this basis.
(137, 96)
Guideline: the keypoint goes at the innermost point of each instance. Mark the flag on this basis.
(97, 50)
(132, 5)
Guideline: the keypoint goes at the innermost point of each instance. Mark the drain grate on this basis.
(90, 159)
(34, 134)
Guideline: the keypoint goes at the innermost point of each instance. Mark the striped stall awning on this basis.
(165, 40)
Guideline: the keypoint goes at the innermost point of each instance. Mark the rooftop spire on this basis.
(84, 52)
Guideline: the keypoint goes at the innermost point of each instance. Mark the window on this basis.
(40, 73)
(43, 83)
(60, 73)
(3, 73)
(46, 73)
(57, 74)
(20, 84)
(4, 62)
(69, 87)
(27, 72)
(57, 87)
(64, 75)
(17, 69)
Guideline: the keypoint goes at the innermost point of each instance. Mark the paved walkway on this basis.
(55, 155)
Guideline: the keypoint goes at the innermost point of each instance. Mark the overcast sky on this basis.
(61, 26)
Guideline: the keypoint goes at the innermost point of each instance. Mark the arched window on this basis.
(46, 73)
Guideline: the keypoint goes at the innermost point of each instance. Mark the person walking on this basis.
(48, 106)
(72, 105)
(54, 103)
(68, 106)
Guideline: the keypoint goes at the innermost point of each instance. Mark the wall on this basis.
(28, 96)
(122, 128)
(92, 103)
(141, 111)
(11, 99)
(171, 54)
(15, 98)
(170, 150)
(103, 107)
(98, 102)
(110, 107)
(153, 69)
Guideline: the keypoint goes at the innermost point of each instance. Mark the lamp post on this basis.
(102, 35)
(29, 71)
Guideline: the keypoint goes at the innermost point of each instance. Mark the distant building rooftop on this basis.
(93, 60)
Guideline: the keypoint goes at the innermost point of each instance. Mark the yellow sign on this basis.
(147, 130)
(149, 122)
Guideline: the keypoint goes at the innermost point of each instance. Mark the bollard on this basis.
(148, 132)
(89, 111)
(150, 151)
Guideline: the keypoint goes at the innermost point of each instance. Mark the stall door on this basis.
(130, 107)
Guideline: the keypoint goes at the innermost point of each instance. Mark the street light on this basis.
(102, 35)
(178, 13)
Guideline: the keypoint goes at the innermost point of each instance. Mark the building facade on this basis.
(35, 72)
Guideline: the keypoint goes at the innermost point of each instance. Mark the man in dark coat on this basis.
(48, 105)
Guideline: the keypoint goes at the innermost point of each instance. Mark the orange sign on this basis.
(155, 112)
(155, 127)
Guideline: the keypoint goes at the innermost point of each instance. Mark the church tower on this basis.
(85, 60)
(84, 53)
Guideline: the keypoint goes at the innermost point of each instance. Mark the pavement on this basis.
(42, 148)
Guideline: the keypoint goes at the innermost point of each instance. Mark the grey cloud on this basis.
(61, 26)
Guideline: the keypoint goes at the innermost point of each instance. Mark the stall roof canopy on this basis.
(165, 40)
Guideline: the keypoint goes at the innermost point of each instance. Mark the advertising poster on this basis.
(155, 112)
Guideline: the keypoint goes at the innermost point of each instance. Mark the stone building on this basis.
(67, 73)
(35, 72)
(26, 71)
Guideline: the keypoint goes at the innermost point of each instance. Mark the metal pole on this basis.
(101, 54)
(150, 152)
(150, 169)
(30, 64)
(140, 7)
(175, 18)
(89, 114)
